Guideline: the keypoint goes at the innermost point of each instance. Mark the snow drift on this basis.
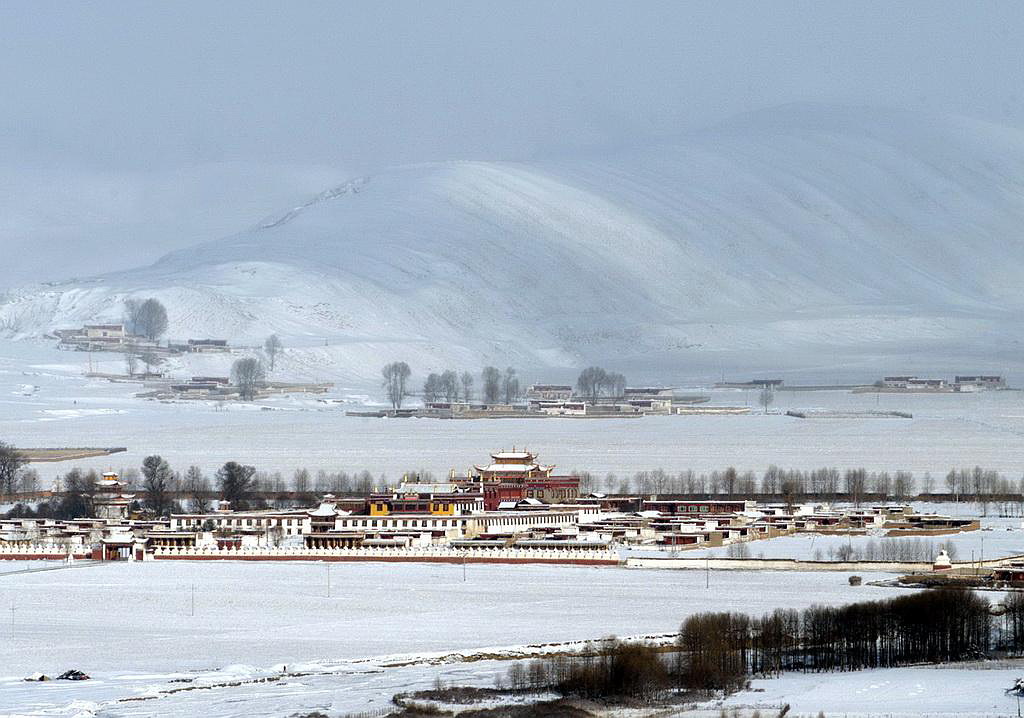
(812, 238)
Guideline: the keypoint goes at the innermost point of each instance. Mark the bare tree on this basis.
(615, 384)
(272, 347)
(197, 487)
(510, 385)
(396, 378)
(147, 318)
(130, 318)
(236, 483)
(491, 381)
(767, 397)
(431, 388)
(150, 360)
(247, 374)
(157, 477)
(449, 385)
(131, 358)
(301, 482)
(591, 382)
(467, 386)
(11, 461)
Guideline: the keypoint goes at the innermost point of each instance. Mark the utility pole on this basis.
(12, 620)
(192, 610)
(707, 572)
(328, 579)
(463, 567)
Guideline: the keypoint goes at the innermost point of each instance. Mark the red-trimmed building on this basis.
(516, 475)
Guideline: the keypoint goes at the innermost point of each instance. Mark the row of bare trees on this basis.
(449, 385)
(595, 382)
(722, 651)
(977, 484)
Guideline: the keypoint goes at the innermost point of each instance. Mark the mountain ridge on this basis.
(796, 234)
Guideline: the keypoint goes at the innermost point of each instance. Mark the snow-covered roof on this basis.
(498, 468)
(512, 455)
(324, 509)
(427, 488)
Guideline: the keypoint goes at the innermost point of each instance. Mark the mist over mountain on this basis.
(824, 239)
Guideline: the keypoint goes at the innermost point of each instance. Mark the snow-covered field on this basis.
(390, 628)
(970, 690)
(67, 409)
(131, 625)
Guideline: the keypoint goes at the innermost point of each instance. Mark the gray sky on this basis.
(127, 129)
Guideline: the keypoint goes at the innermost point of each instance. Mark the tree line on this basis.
(716, 651)
(449, 385)
(162, 491)
(975, 484)
(234, 482)
(496, 385)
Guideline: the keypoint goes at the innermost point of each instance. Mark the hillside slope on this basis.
(823, 239)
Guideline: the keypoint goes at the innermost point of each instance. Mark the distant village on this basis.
(562, 400)
(139, 343)
(447, 395)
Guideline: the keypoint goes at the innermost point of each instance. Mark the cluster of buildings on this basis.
(960, 383)
(116, 338)
(512, 502)
(561, 400)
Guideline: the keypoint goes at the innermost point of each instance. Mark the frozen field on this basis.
(391, 628)
(45, 401)
(130, 625)
(974, 690)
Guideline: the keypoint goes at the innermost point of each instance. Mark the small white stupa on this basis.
(942, 562)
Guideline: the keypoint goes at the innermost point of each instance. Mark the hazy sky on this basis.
(130, 128)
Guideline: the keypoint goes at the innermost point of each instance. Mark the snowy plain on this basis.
(131, 626)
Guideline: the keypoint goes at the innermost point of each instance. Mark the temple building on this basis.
(513, 476)
(109, 500)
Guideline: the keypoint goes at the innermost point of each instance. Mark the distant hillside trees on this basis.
(396, 382)
(272, 347)
(145, 318)
(156, 482)
(594, 382)
(490, 381)
(235, 482)
(247, 374)
(467, 386)
(11, 462)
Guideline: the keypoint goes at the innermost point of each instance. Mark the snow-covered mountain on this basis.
(820, 238)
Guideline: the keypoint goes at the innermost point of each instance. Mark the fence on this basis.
(42, 552)
(438, 554)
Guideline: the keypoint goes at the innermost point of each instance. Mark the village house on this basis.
(548, 392)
